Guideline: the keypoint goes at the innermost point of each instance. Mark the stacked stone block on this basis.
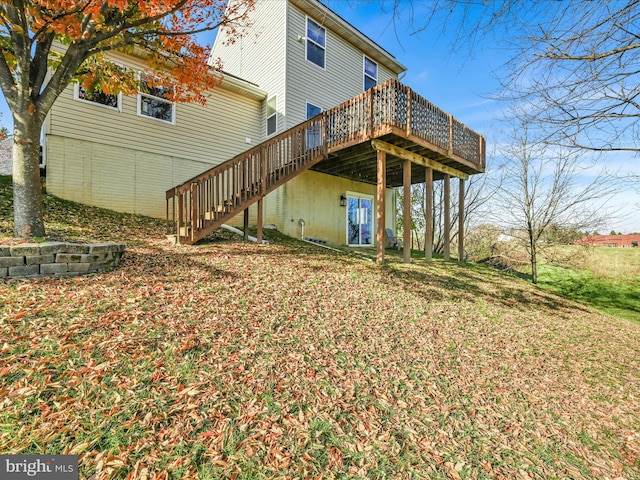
(58, 259)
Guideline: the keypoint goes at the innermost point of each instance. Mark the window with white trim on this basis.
(272, 116)
(359, 219)
(153, 102)
(370, 73)
(98, 98)
(316, 43)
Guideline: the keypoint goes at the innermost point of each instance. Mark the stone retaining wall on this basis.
(58, 259)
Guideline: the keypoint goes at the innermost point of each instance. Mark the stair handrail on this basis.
(392, 86)
(385, 108)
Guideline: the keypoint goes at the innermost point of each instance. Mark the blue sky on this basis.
(455, 83)
(460, 82)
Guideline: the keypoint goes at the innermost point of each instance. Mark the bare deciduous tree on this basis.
(547, 188)
(572, 66)
(574, 63)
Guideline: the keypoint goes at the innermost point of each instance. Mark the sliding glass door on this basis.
(359, 220)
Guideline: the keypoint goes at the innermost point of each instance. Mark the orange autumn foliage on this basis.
(47, 44)
(162, 31)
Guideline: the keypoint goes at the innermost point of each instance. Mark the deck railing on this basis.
(201, 204)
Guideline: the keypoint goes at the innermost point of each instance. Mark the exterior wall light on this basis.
(343, 200)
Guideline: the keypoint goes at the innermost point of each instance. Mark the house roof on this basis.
(226, 80)
(348, 32)
(607, 240)
(241, 86)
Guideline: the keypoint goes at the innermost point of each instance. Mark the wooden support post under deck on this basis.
(259, 222)
(245, 223)
(428, 233)
(406, 183)
(180, 223)
(381, 191)
(447, 217)
(461, 222)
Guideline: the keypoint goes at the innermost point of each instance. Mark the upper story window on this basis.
(313, 110)
(272, 116)
(153, 102)
(316, 43)
(98, 97)
(370, 73)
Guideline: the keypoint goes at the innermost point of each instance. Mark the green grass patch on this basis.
(607, 279)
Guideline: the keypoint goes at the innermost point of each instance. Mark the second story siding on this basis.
(259, 55)
(273, 54)
(342, 77)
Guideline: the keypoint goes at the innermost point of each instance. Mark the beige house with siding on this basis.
(309, 60)
(306, 109)
(109, 153)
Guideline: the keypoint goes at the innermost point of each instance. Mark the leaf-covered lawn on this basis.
(233, 360)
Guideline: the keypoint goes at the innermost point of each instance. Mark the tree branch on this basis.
(591, 57)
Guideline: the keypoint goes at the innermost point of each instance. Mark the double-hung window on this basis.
(272, 116)
(98, 97)
(370, 73)
(153, 101)
(316, 43)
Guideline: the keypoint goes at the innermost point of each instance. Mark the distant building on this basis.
(620, 241)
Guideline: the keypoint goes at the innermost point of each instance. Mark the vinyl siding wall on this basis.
(340, 80)
(259, 56)
(126, 162)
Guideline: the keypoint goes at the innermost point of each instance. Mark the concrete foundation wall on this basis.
(315, 198)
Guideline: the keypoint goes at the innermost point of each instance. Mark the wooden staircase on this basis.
(200, 205)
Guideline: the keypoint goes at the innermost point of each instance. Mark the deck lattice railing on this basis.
(201, 204)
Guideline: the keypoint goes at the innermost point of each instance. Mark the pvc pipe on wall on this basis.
(240, 232)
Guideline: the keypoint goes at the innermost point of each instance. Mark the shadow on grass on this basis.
(463, 281)
(153, 256)
(473, 282)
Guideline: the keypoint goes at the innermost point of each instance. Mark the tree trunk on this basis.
(534, 264)
(27, 193)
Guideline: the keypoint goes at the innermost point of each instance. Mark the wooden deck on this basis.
(344, 141)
